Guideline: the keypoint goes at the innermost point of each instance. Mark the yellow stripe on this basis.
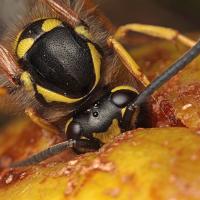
(50, 24)
(51, 96)
(23, 46)
(123, 110)
(26, 79)
(48, 95)
(67, 124)
(96, 57)
(124, 87)
(82, 30)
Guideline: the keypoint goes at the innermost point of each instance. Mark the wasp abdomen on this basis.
(59, 59)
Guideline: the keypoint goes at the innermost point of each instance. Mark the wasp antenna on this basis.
(169, 73)
(158, 82)
(43, 155)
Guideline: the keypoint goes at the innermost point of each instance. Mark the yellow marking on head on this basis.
(23, 46)
(50, 24)
(26, 79)
(124, 87)
(67, 124)
(113, 131)
(82, 30)
(96, 57)
(51, 96)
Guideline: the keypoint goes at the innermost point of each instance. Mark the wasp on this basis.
(60, 65)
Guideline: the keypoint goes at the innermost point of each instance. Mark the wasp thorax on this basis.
(62, 61)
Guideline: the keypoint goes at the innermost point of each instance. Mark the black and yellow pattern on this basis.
(102, 121)
(32, 32)
(60, 63)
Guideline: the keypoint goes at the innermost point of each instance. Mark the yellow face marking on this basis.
(50, 24)
(67, 124)
(23, 46)
(124, 87)
(51, 96)
(82, 30)
(96, 57)
(26, 80)
(113, 131)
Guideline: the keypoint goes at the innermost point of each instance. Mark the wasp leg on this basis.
(155, 31)
(32, 114)
(8, 65)
(128, 61)
(63, 10)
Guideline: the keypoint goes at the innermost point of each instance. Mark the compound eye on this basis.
(73, 131)
(121, 96)
(120, 99)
